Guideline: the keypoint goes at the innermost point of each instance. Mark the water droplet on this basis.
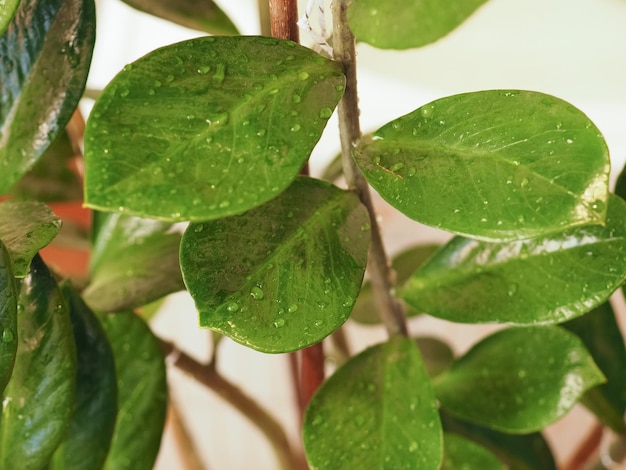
(512, 289)
(220, 73)
(303, 76)
(348, 302)
(279, 322)
(124, 93)
(292, 308)
(204, 69)
(232, 307)
(169, 78)
(326, 113)
(413, 447)
(396, 166)
(427, 111)
(257, 293)
(7, 335)
(199, 228)
(365, 227)
(128, 67)
(296, 128)
(296, 99)
(524, 182)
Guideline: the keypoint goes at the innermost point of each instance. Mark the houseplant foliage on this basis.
(214, 132)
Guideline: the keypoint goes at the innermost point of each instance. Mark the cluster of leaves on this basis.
(214, 131)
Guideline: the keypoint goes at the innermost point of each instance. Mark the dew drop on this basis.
(303, 76)
(326, 113)
(169, 78)
(257, 293)
(512, 289)
(296, 99)
(427, 111)
(524, 182)
(199, 228)
(396, 166)
(7, 335)
(296, 128)
(124, 93)
(279, 322)
(220, 73)
(204, 69)
(292, 308)
(232, 307)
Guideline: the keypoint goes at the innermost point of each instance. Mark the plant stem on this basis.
(210, 377)
(184, 439)
(588, 447)
(284, 19)
(264, 17)
(381, 274)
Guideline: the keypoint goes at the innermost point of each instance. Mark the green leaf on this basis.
(518, 380)
(38, 400)
(45, 56)
(134, 262)
(459, 452)
(494, 165)
(25, 228)
(538, 281)
(234, 118)
(284, 275)
(8, 313)
(90, 432)
(436, 354)
(377, 411)
(600, 333)
(517, 451)
(7, 11)
(142, 392)
(203, 15)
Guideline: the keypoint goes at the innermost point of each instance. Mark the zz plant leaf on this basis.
(494, 165)
(460, 452)
(234, 117)
(284, 275)
(8, 317)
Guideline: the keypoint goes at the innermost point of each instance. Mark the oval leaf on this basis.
(396, 24)
(459, 452)
(45, 55)
(436, 354)
(518, 380)
(25, 228)
(235, 118)
(134, 262)
(536, 281)
(38, 400)
(495, 165)
(8, 313)
(377, 411)
(284, 275)
(142, 392)
(90, 432)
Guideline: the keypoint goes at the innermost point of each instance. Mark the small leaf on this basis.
(600, 333)
(400, 25)
(459, 452)
(6, 13)
(203, 15)
(235, 118)
(8, 321)
(436, 354)
(38, 400)
(142, 392)
(377, 411)
(25, 228)
(284, 275)
(134, 262)
(45, 55)
(90, 432)
(494, 165)
(537, 281)
(518, 380)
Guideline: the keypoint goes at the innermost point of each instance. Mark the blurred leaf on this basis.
(38, 400)
(142, 392)
(134, 261)
(461, 453)
(284, 275)
(44, 60)
(90, 432)
(334, 170)
(377, 411)
(494, 165)
(25, 228)
(8, 313)
(436, 354)
(203, 15)
(234, 118)
(518, 380)
(543, 280)
(7, 10)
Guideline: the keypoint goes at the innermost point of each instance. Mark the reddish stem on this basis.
(586, 449)
(284, 19)
(311, 372)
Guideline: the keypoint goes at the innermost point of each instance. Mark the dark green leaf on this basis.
(495, 165)
(377, 411)
(44, 60)
(142, 392)
(134, 262)
(203, 15)
(91, 429)
(436, 354)
(284, 275)
(7, 10)
(234, 118)
(543, 280)
(8, 312)
(461, 453)
(38, 400)
(601, 335)
(518, 380)
(389, 24)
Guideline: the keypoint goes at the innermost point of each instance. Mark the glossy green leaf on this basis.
(461, 453)
(142, 392)
(38, 400)
(601, 334)
(543, 280)
(25, 228)
(377, 411)
(436, 354)
(234, 118)
(284, 275)
(134, 262)
(518, 380)
(7, 10)
(90, 432)
(44, 60)
(203, 15)
(494, 165)
(8, 313)
(365, 310)
(517, 451)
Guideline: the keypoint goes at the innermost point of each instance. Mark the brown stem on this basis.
(188, 451)
(284, 19)
(311, 371)
(588, 447)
